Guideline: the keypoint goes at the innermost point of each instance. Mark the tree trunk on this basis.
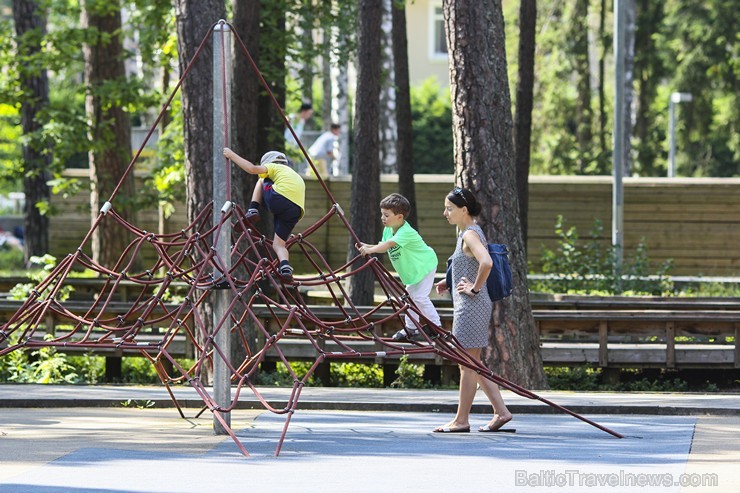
(484, 162)
(648, 73)
(244, 97)
(243, 133)
(271, 126)
(110, 128)
(604, 151)
(629, 92)
(307, 50)
(524, 100)
(404, 129)
(326, 104)
(582, 72)
(194, 18)
(388, 135)
(344, 118)
(366, 160)
(30, 25)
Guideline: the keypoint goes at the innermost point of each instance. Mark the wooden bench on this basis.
(147, 338)
(604, 338)
(640, 338)
(625, 335)
(85, 288)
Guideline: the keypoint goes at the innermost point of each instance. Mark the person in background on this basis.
(322, 151)
(304, 113)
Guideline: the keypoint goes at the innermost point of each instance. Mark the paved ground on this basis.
(115, 449)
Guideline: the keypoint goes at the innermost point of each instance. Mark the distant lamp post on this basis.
(676, 97)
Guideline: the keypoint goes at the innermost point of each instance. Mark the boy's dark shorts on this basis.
(286, 214)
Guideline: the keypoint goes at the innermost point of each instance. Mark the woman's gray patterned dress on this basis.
(472, 314)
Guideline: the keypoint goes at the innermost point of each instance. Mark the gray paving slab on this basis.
(389, 451)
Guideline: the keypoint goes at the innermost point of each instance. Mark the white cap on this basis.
(273, 157)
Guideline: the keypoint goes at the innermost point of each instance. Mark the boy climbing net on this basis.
(283, 193)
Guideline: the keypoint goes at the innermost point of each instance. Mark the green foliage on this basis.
(132, 403)
(139, 371)
(15, 366)
(356, 375)
(40, 269)
(699, 46)
(647, 385)
(680, 46)
(166, 183)
(335, 20)
(89, 368)
(45, 365)
(576, 268)
(341, 375)
(587, 379)
(52, 366)
(10, 149)
(11, 258)
(431, 113)
(281, 377)
(712, 289)
(577, 378)
(410, 376)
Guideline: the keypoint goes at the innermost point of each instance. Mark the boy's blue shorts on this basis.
(286, 214)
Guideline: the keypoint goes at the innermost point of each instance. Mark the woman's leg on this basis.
(468, 387)
(501, 414)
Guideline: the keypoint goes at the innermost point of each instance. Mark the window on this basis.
(438, 43)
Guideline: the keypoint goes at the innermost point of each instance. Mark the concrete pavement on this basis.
(334, 443)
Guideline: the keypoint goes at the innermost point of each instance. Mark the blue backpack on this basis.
(499, 283)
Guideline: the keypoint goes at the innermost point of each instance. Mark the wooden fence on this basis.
(695, 222)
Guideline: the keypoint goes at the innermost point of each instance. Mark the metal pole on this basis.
(221, 297)
(676, 97)
(672, 138)
(618, 153)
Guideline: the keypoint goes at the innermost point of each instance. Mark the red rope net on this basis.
(262, 304)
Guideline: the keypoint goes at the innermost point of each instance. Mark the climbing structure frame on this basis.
(150, 325)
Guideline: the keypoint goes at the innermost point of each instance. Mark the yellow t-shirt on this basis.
(287, 183)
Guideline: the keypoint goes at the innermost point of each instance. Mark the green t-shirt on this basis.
(411, 257)
(287, 183)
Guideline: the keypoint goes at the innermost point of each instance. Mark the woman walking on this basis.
(471, 264)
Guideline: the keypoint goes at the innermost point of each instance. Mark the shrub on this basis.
(89, 368)
(15, 366)
(591, 267)
(138, 370)
(431, 112)
(11, 258)
(410, 376)
(577, 378)
(356, 375)
(43, 266)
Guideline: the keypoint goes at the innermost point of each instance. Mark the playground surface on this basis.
(334, 443)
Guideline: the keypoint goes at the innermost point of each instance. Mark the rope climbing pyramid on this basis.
(259, 302)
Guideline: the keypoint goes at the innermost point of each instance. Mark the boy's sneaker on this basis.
(407, 335)
(253, 215)
(286, 272)
(429, 332)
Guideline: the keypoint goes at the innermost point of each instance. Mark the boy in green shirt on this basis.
(414, 261)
